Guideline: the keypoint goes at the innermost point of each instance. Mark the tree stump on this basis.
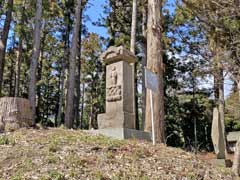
(15, 113)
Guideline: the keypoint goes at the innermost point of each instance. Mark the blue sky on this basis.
(95, 12)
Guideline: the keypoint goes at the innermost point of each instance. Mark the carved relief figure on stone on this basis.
(114, 76)
(114, 91)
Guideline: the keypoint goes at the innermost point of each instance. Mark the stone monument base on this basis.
(123, 133)
(121, 119)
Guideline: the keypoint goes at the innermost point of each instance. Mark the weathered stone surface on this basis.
(114, 54)
(116, 120)
(120, 112)
(218, 138)
(14, 113)
(236, 160)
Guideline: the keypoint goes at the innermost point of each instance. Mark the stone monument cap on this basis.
(114, 54)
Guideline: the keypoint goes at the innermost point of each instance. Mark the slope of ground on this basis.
(60, 154)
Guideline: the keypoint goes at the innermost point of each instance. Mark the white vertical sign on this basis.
(151, 82)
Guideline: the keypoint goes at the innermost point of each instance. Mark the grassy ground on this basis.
(58, 154)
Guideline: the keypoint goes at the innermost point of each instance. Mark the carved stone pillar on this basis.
(120, 111)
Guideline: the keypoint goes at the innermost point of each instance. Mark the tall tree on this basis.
(18, 66)
(144, 58)
(78, 72)
(133, 27)
(63, 62)
(34, 59)
(132, 49)
(19, 51)
(155, 63)
(3, 40)
(69, 113)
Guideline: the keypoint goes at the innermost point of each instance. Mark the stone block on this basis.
(217, 135)
(116, 120)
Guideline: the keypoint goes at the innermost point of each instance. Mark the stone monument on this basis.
(14, 113)
(218, 138)
(119, 119)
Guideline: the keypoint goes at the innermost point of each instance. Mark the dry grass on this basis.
(58, 154)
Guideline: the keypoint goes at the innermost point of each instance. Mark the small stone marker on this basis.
(14, 113)
(119, 119)
(218, 138)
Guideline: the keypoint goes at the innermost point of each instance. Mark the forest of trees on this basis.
(48, 55)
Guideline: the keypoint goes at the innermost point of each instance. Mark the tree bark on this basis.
(82, 105)
(18, 66)
(134, 26)
(78, 75)
(237, 3)
(238, 86)
(3, 40)
(221, 99)
(19, 55)
(11, 79)
(216, 93)
(219, 83)
(34, 60)
(63, 65)
(39, 76)
(144, 62)
(90, 123)
(155, 64)
(134, 66)
(69, 113)
(61, 86)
